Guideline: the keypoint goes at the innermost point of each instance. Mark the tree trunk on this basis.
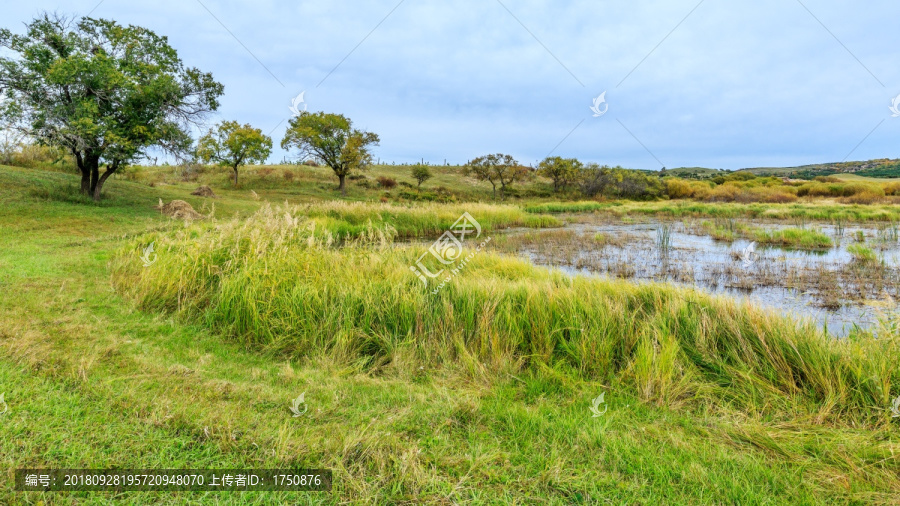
(95, 178)
(85, 173)
(235, 175)
(110, 169)
(341, 185)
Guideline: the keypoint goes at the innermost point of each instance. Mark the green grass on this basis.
(793, 237)
(709, 402)
(270, 284)
(862, 254)
(570, 207)
(421, 220)
(801, 238)
(818, 211)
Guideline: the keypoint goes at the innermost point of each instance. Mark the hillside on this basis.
(880, 169)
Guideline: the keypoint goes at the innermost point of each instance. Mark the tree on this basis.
(104, 92)
(232, 145)
(496, 169)
(619, 182)
(563, 171)
(596, 180)
(331, 140)
(421, 173)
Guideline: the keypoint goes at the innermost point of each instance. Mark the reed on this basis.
(279, 282)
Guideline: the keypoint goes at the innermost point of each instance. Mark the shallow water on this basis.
(768, 279)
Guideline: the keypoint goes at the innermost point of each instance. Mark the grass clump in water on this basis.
(793, 237)
(862, 255)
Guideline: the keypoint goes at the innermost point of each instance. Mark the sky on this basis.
(714, 83)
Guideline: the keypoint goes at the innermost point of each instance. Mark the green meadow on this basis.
(480, 393)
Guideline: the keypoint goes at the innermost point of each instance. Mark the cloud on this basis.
(736, 84)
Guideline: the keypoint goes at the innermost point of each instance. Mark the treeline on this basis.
(568, 176)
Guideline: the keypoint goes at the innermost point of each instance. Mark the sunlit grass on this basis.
(271, 283)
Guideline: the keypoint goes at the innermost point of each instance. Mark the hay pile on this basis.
(179, 209)
(204, 191)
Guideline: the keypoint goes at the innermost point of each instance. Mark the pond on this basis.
(833, 286)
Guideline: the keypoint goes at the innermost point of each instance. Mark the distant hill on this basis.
(882, 168)
(694, 172)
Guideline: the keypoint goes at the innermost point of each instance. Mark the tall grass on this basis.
(570, 207)
(275, 283)
(422, 220)
(664, 242)
(793, 237)
(825, 211)
(729, 230)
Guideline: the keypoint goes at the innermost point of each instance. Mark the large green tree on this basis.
(562, 171)
(107, 93)
(331, 140)
(232, 145)
(496, 169)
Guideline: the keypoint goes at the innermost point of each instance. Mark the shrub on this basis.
(852, 189)
(726, 192)
(891, 188)
(768, 194)
(33, 156)
(618, 182)
(189, 172)
(681, 189)
(386, 182)
(288, 175)
(265, 172)
(820, 190)
(678, 189)
(863, 197)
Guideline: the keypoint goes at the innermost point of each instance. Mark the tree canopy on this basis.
(331, 140)
(562, 171)
(232, 145)
(496, 169)
(107, 93)
(420, 173)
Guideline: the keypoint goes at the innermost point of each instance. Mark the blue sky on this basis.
(724, 84)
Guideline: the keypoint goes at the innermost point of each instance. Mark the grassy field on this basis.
(479, 394)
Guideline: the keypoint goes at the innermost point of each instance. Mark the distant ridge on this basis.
(880, 168)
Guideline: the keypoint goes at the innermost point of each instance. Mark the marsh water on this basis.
(829, 286)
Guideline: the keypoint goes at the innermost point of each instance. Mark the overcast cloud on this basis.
(738, 83)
